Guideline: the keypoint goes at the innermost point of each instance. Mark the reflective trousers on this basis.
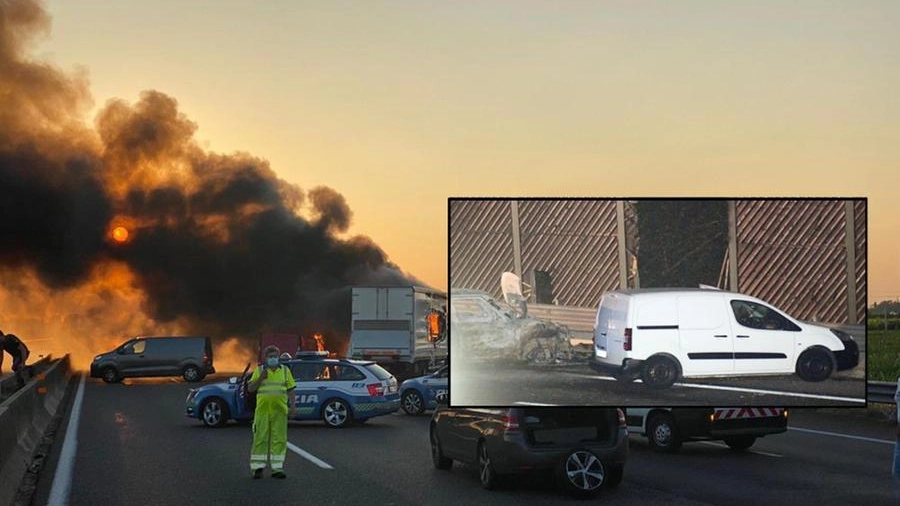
(269, 426)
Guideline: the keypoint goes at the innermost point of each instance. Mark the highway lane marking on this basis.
(523, 403)
(723, 445)
(848, 436)
(308, 456)
(743, 389)
(62, 478)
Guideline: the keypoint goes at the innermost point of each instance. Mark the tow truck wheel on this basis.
(336, 413)
(214, 412)
(662, 433)
(740, 442)
(412, 402)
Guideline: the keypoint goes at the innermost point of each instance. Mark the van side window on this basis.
(757, 316)
(135, 347)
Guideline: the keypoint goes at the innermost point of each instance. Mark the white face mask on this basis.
(272, 361)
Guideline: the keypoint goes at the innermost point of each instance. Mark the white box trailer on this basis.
(388, 326)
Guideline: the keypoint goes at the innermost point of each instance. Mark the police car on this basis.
(336, 391)
(419, 394)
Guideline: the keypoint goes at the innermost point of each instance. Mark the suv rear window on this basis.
(378, 371)
(567, 426)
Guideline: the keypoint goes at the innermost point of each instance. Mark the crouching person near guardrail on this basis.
(274, 386)
(11, 344)
(897, 445)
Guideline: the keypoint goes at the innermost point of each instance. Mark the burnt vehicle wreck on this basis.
(482, 327)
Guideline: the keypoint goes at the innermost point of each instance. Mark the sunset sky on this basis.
(398, 105)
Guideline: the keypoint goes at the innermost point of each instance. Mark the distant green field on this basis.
(883, 355)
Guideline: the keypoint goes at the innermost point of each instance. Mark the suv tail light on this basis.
(206, 359)
(376, 389)
(510, 424)
(626, 344)
(621, 414)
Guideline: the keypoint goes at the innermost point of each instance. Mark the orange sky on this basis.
(398, 105)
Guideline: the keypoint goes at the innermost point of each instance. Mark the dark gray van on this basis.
(189, 357)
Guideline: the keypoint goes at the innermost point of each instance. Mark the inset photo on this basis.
(657, 302)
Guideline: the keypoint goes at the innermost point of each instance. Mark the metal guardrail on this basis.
(9, 385)
(579, 319)
(881, 392)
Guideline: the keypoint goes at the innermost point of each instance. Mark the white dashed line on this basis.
(308, 456)
(523, 403)
(847, 436)
(758, 452)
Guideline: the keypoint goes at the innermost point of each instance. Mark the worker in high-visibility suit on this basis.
(274, 386)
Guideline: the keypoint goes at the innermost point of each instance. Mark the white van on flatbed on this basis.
(664, 334)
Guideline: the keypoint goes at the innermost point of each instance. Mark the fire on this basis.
(120, 234)
(320, 342)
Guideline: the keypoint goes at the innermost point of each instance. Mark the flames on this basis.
(320, 342)
(127, 226)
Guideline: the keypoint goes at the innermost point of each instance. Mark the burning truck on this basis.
(402, 328)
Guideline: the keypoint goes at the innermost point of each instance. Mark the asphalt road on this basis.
(505, 383)
(135, 446)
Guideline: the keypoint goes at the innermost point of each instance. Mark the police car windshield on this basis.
(378, 371)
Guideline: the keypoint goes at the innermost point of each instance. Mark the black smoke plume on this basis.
(216, 242)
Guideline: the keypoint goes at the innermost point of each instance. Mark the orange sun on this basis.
(120, 234)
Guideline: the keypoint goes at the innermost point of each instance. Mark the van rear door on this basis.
(707, 340)
(609, 328)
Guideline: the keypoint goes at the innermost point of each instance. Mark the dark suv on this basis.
(585, 447)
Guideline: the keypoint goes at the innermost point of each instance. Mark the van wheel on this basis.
(191, 373)
(659, 372)
(815, 365)
(110, 375)
(740, 442)
(486, 472)
(214, 412)
(663, 434)
(582, 474)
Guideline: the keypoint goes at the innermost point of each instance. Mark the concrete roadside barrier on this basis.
(24, 416)
(8, 384)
